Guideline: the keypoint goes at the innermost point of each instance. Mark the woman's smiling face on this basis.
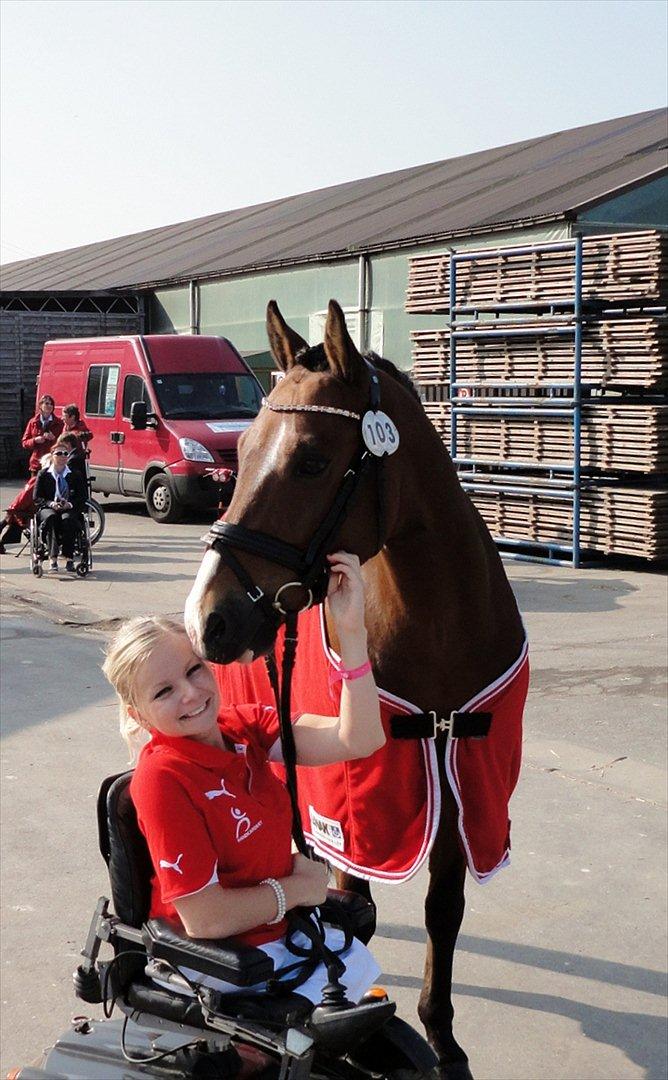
(177, 693)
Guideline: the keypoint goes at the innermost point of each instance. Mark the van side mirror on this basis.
(141, 418)
(138, 416)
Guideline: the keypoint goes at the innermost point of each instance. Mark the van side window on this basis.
(102, 389)
(134, 389)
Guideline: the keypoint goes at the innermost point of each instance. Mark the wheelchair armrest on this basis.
(360, 912)
(241, 965)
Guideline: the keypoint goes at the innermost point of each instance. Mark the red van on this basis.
(164, 410)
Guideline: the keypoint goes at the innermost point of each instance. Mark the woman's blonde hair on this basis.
(129, 649)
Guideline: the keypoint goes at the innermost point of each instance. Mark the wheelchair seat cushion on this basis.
(147, 997)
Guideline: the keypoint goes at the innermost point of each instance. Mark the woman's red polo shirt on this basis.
(214, 815)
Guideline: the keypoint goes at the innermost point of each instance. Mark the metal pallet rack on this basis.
(562, 400)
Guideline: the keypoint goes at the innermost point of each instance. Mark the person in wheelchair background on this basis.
(60, 498)
(216, 819)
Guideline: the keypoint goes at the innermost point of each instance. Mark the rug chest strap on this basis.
(427, 725)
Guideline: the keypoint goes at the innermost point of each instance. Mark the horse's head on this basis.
(306, 486)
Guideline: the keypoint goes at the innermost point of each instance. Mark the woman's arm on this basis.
(29, 440)
(357, 732)
(215, 912)
(41, 496)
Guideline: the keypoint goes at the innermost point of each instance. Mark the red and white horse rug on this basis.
(377, 817)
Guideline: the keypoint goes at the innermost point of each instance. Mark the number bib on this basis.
(379, 433)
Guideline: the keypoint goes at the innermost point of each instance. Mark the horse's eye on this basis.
(312, 466)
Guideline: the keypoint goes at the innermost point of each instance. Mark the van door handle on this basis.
(117, 436)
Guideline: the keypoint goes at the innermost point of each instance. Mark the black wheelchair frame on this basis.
(83, 546)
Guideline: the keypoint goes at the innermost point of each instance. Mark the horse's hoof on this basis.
(456, 1070)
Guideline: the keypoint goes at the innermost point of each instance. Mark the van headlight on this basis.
(194, 451)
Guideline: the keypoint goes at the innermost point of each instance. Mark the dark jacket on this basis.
(34, 429)
(81, 430)
(45, 490)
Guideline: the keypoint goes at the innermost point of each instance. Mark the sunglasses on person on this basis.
(60, 453)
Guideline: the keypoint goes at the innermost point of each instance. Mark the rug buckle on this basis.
(441, 724)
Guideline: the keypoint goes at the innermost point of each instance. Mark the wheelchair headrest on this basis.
(124, 850)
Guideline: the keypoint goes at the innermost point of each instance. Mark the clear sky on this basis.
(122, 115)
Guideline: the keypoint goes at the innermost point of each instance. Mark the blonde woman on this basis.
(216, 819)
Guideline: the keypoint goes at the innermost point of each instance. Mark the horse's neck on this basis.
(441, 617)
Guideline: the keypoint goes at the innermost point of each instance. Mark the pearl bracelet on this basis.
(279, 893)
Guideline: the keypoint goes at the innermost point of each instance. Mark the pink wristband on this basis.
(337, 672)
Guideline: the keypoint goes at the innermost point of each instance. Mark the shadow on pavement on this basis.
(638, 1035)
(569, 594)
(628, 976)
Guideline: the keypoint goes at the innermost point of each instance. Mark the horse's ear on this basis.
(284, 342)
(342, 355)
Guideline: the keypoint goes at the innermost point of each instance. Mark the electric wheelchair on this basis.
(163, 1033)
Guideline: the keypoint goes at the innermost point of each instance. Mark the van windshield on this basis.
(210, 395)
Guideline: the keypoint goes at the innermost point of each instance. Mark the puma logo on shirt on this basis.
(172, 865)
(216, 793)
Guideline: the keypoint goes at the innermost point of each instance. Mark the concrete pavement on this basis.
(560, 972)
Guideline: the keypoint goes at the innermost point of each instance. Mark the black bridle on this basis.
(309, 566)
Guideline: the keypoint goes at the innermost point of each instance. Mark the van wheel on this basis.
(161, 501)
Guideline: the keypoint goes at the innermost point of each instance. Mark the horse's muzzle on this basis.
(231, 630)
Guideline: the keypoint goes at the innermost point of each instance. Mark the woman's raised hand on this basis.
(345, 593)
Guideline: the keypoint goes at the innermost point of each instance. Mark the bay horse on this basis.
(441, 617)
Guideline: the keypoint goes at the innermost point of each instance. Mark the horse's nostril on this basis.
(215, 627)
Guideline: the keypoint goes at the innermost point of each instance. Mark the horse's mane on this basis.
(314, 359)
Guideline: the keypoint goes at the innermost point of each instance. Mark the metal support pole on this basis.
(193, 304)
(453, 355)
(577, 400)
(363, 302)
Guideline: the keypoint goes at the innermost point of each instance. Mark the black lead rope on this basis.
(301, 921)
(282, 695)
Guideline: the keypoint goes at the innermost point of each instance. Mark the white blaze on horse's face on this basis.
(194, 615)
(273, 456)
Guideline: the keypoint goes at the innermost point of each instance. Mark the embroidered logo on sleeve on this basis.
(172, 865)
(217, 792)
(327, 829)
(244, 827)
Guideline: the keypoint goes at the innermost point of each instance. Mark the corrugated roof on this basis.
(546, 178)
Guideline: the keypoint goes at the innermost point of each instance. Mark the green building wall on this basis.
(235, 307)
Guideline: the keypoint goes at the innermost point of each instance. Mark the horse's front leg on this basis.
(444, 911)
(362, 888)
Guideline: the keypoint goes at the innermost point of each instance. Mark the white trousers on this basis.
(361, 969)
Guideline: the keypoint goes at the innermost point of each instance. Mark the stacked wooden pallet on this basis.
(621, 266)
(624, 438)
(613, 520)
(614, 438)
(616, 353)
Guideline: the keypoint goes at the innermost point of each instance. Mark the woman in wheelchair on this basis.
(60, 499)
(216, 819)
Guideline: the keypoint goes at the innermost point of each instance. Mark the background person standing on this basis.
(74, 425)
(41, 433)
